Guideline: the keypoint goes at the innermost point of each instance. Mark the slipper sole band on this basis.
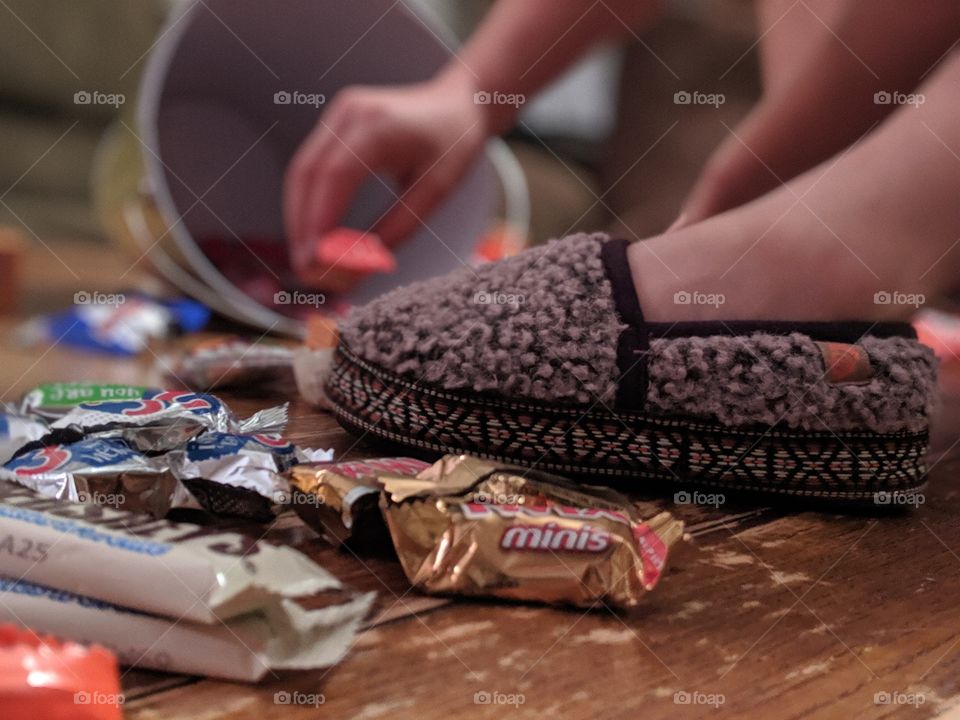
(596, 441)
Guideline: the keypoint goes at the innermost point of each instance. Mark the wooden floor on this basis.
(777, 613)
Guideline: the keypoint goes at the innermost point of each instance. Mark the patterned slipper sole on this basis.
(848, 465)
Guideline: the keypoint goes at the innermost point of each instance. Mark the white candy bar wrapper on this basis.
(197, 573)
(282, 637)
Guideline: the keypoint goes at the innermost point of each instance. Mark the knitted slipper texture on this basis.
(543, 326)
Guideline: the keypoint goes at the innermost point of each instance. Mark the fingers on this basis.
(415, 204)
(324, 179)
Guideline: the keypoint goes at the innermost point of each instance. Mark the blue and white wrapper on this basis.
(165, 419)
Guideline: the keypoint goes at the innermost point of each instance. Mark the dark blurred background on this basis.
(50, 50)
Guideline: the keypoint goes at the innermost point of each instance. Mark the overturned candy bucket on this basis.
(194, 182)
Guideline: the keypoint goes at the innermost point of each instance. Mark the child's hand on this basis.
(425, 136)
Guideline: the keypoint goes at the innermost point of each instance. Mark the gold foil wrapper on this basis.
(473, 527)
(525, 535)
(340, 500)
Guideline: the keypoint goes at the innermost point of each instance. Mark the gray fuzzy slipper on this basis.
(545, 359)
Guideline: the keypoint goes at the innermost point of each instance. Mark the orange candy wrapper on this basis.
(42, 678)
(468, 526)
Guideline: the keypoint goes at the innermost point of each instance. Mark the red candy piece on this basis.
(354, 251)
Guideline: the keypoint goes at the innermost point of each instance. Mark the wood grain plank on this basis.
(806, 616)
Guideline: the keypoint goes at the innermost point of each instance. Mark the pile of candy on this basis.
(149, 450)
(468, 526)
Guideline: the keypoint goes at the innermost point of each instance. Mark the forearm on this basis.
(524, 44)
(880, 46)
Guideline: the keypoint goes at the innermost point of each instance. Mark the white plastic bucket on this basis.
(217, 136)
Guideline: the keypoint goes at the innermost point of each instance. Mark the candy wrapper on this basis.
(471, 527)
(226, 475)
(42, 678)
(341, 500)
(245, 648)
(165, 419)
(227, 361)
(239, 474)
(17, 431)
(116, 323)
(55, 399)
(197, 573)
(105, 471)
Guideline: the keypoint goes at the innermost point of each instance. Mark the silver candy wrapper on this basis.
(225, 361)
(16, 431)
(164, 420)
(103, 471)
(240, 474)
(227, 475)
